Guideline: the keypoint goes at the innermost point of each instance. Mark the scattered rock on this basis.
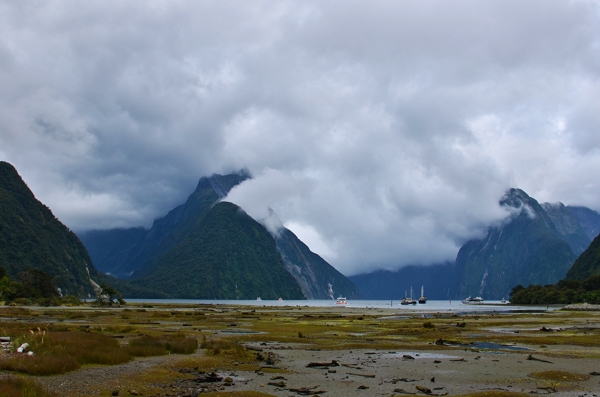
(307, 390)
(277, 384)
(363, 375)
(212, 377)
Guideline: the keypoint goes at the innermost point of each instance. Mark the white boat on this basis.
(340, 301)
(258, 299)
(473, 301)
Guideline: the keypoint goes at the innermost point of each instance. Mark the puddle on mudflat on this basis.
(418, 355)
(496, 346)
(486, 346)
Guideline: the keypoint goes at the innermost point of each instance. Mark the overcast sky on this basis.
(382, 132)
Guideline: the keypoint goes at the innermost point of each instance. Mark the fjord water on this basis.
(430, 306)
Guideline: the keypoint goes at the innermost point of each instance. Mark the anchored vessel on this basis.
(473, 301)
(340, 301)
(422, 298)
(408, 301)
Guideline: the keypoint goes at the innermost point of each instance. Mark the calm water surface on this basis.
(430, 306)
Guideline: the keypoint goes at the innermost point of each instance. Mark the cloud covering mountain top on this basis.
(382, 132)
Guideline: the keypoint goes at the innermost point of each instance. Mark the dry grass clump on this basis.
(224, 347)
(58, 351)
(161, 345)
(61, 352)
(14, 311)
(12, 386)
(559, 376)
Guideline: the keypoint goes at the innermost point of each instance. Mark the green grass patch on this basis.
(161, 345)
(559, 376)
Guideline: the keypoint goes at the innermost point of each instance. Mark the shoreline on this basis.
(361, 351)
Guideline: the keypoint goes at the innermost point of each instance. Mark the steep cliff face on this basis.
(32, 237)
(317, 278)
(588, 219)
(566, 225)
(527, 248)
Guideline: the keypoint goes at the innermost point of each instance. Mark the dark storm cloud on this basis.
(383, 133)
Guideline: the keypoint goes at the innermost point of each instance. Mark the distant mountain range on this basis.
(536, 244)
(207, 248)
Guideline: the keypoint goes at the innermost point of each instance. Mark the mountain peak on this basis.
(514, 198)
(222, 184)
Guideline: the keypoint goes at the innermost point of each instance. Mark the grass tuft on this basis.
(161, 345)
(224, 347)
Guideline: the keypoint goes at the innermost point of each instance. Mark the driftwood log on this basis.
(333, 363)
(530, 357)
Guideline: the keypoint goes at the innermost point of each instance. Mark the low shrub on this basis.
(70, 300)
(223, 347)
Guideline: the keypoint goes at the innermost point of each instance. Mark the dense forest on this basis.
(32, 287)
(32, 237)
(229, 256)
(581, 284)
(565, 291)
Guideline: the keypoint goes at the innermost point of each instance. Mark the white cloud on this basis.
(384, 132)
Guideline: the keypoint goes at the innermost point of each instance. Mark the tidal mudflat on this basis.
(282, 351)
